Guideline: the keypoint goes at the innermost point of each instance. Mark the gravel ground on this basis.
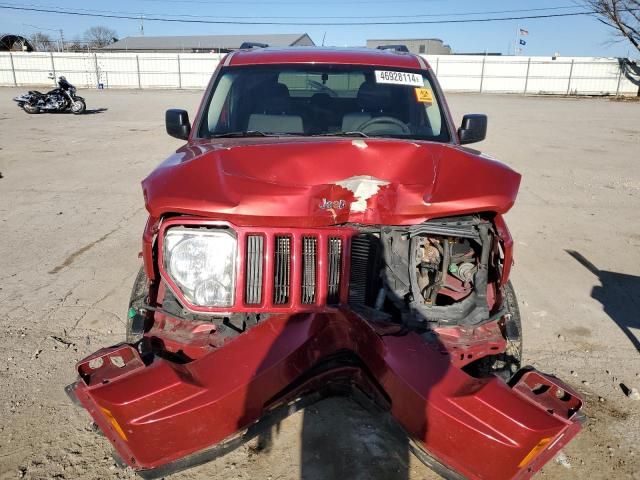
(71, 216)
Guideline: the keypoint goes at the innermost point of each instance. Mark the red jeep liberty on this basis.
(323, 231)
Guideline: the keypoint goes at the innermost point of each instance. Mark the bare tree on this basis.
(622, 15)
(42, 42)
(76, 45)
(98, 37)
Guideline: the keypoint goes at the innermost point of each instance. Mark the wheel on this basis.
(30, 109)
(78, 106)
(505, 364)
(137, 301)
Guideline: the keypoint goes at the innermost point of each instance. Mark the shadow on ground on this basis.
(91, 111)
(619, 294)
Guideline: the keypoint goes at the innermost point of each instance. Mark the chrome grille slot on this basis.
(309, 259)
(282, 270)
(360, 249)
(253, 283)
(334, 270)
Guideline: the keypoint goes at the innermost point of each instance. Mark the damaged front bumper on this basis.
(162, 415)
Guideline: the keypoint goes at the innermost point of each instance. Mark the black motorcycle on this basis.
(60, 99)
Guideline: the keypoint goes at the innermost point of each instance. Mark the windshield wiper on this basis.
(254, 133)
(248, 133)
(342, 134)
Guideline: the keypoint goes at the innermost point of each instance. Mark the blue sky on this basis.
(580, 35)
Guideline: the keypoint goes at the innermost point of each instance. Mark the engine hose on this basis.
(472, 310)
(443, 273)
(482, 274)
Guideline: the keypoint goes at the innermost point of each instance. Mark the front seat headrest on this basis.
(274, 99)
(373, 97)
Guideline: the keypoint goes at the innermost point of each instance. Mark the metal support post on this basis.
(95, 66)
(138, 70)
(570, 76)
(13, 69)
(484, 59)
(179, 73)
(53, 70)
(526, 79)
(619, 80)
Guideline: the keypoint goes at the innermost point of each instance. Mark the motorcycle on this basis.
(60, 99)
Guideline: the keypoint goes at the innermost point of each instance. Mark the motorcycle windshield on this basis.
(62, 83)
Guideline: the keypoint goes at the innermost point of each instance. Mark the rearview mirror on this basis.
(473, 128)
(177, 123)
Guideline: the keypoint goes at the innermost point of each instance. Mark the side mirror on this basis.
(473, 128)
(177, 123)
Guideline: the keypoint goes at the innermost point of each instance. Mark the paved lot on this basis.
(71, 217)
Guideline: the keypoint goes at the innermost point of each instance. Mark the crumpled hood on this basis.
(326, 181)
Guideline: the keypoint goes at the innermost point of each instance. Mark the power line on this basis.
(157, 18)
(290, 2)
(224, 17)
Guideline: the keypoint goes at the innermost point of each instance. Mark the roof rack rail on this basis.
(397, 48)
(249, 45)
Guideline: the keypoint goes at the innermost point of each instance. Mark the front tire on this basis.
(135, 316)
(78, 106)
(505, 364)
(30, 109)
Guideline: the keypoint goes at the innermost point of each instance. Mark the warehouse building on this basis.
(205, 43)
(427, 46)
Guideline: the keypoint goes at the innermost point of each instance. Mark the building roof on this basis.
(207, 42)
(412, 39)
(327, 55)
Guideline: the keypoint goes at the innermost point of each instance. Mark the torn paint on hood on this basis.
(326, 181)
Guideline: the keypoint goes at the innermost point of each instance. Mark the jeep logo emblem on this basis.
(332, 204)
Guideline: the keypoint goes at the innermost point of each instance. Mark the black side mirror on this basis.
(473, 128)
(177, 123)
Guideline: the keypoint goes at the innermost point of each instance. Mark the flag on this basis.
(522, 42)
(524, 32)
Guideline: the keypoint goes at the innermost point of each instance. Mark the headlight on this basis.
(201, 262)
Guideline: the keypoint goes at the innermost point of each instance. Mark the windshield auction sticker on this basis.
(424, 95)
(399, 78)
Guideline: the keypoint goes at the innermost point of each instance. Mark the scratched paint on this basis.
(363, 188)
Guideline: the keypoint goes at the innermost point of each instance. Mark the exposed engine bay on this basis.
(429, 275)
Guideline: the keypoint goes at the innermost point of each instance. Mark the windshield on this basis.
(324, 100)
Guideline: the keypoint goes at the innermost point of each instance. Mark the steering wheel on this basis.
(381, 122)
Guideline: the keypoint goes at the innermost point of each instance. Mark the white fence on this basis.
(534, 75)
(109, 70)
(508, 74)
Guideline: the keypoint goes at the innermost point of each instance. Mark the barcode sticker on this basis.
(399, 78)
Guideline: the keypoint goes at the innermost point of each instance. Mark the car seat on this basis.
(272, 111)
(372, 99)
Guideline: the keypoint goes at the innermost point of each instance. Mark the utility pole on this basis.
(61, 40)
(142, 25)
